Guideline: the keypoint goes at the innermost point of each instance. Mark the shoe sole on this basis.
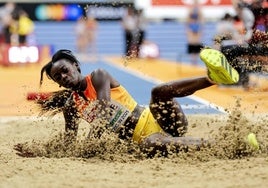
(219, 70)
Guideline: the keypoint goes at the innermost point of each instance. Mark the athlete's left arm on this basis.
(72, 120)
(103, 82)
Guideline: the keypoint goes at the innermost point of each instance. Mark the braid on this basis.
(47, 69)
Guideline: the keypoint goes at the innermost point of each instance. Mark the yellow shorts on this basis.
(146, 126)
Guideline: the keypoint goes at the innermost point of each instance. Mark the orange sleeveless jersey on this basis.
(118, 94)
(146, 125)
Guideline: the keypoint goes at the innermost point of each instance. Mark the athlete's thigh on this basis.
(170, 116)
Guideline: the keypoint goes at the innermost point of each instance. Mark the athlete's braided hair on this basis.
(60, 54)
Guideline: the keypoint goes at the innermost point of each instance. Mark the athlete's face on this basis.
(66, 74)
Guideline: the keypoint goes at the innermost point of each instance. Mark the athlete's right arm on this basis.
(71, 123)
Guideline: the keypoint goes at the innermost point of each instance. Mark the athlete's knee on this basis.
(160, 90)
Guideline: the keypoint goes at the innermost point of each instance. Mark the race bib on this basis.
(89, 111)
(118, 115)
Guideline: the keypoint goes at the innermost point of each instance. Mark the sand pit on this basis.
(232, 163)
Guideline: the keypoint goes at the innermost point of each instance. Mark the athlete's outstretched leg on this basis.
(165, 108)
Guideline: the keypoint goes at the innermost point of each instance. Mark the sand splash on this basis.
(228, 142)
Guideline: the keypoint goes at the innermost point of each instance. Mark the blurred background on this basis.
(95, 27)
(105, 33)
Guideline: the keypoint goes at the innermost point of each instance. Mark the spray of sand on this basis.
(228, 142)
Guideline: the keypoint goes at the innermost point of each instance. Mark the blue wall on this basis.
(169, 35)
